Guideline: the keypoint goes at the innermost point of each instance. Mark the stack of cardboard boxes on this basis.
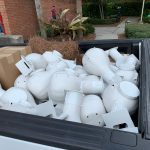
(9, 56)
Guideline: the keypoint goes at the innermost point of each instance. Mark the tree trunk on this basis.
(141, 21)
(79, 11)
(40, 17)
(79, 7)
(100, 10)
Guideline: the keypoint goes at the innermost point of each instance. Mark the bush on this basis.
(137, 30)
(97, 21)
(38, 33)
(49, 31)
(146, 12)
(91, 10)
(146, 19)
(127, 8)
(89, 29)
(147, 5)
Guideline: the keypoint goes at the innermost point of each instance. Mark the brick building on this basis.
(19, 16)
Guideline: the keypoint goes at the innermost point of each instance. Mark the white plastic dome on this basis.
(92, 109)
(123, 95)
(17, 96)
(21, 81)
(61, 82)
(52, 57)
(36, 60)
(61, 65)
(92, 85)
(38, 84)
(96, 62)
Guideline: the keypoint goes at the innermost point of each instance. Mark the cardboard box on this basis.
(23, 50)
(9, 56)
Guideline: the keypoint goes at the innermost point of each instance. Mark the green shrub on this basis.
(110, 9)
(97, 21)
(146, 19)
(146, 12)
(137, 30)
(89, 29)
(91, 10)
(38, 33)
(49, 31)
(147, 5)
(127, 8)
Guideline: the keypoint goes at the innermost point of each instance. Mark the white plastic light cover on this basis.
(24, 66)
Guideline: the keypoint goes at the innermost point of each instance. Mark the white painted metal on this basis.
(113, 67)
(59, 66)
(71, 63)
(92, 109)
(17, 96)
(121, 96)
(38, 83)
(37, 60)
(131, 76)
(71, 111)
(92, 85)
(14, 144)
(79, 71)
(116, 118)
(115, 55)
(21, 82)
(96, 62)
(128, 63)
(24, 66)
(60, 82)
(52, 57)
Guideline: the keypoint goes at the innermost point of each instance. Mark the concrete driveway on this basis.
(112, 32)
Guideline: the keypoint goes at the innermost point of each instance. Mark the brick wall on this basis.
(21, 17)
(59, 4)
(4, 15)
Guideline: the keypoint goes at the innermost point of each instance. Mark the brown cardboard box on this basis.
(9, 56)
(23, 50)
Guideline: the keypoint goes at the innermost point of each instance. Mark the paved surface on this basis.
(112, 32)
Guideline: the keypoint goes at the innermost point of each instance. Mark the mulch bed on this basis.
(122, 36)
(69, 49)
(89, 37)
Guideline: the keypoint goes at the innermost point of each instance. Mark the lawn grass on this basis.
(137, 30)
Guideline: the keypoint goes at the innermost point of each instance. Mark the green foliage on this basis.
(49, 31)
(91, 10)
(146, 12)
(76, 25)
(89, 29)
(147, 5)
(97, 21)
(38, 33)
(146, 19)
(127, 8)
(137, 30)
(60, 26)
